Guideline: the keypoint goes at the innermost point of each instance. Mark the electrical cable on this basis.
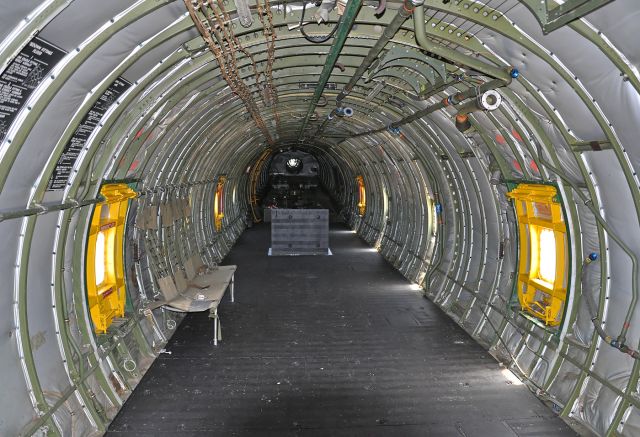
(316, 39)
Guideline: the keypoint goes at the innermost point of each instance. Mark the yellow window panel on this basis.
(106, 294)
(547, 255)
(218, 203)
(362, 196)
(542, 268)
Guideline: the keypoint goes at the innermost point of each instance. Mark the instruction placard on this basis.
(77, 142)
(23, 75)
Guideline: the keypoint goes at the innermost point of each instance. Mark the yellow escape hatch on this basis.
(542, 269)
(106, 292)
(362, 196)
(218, 203)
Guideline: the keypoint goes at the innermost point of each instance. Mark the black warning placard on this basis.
(22, 76)
(79, 139)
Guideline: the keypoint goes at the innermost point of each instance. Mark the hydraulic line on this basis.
(348, 18)
(316, 39)
(389, 32)
(454, 99)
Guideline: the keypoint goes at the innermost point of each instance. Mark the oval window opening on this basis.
(100, 261)
(547, 256)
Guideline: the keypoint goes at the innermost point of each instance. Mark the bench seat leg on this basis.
(233, 283)
(217, 327)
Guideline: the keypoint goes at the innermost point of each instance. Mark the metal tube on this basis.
(454, 99)
(39, 209)
(348, 18)
(488, 101)
(451, 55)
(468, 107)
(389, 32)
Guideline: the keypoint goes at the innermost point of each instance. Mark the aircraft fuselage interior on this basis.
(325, 218)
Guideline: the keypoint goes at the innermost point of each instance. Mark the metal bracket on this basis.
(432, 70)
(552, 16)
(590, 146)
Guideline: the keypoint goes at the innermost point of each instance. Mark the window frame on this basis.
(362, 196)
(544, 301)
(218, 203)
(107, 299)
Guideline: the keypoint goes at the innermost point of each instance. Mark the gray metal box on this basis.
(299, 232)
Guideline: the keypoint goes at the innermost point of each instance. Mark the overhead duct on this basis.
(488, 101)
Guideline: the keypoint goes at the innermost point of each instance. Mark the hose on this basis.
(316, 39)
(382, 5)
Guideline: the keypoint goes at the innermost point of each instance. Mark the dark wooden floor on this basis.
(327, 346)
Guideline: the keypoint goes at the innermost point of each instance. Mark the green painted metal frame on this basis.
(552, 15)
(611, 55)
